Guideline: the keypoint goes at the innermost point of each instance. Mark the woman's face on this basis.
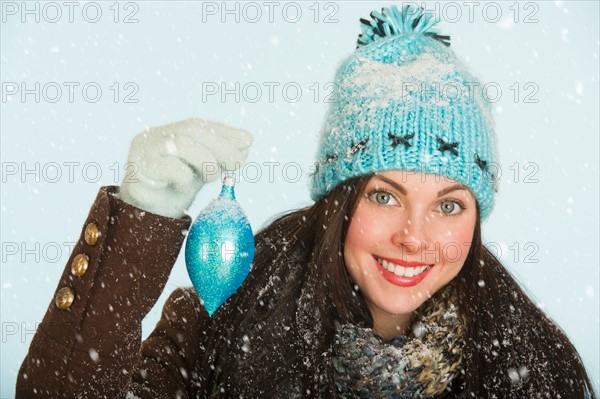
(408, 237)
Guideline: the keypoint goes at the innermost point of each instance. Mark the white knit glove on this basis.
(172, 162)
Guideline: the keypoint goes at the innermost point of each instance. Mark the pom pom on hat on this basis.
(391, 22)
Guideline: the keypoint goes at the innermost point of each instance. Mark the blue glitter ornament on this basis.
(219, 249)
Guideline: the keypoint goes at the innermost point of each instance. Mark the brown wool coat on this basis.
(93, 348)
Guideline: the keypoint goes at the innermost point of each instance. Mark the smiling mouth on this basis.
(402, 271)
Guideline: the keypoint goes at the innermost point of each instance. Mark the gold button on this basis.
(64, 298)
(91, 234)
(80, 265)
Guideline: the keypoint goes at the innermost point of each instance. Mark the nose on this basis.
(412, 234)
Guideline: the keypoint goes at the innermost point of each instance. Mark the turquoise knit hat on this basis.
(405, 102)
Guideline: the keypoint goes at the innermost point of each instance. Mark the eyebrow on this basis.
(403, 190)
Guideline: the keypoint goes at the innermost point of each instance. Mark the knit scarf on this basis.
(419, 365)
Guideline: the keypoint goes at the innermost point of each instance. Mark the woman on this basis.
(382, 288)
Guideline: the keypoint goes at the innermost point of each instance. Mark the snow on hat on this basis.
(405, 102)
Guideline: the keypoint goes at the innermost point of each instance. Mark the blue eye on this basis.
(382, 197)
(451, 207)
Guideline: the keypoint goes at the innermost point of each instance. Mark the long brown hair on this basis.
(278, 328)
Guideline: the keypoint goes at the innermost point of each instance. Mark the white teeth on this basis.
(389, 266)
(402, 271)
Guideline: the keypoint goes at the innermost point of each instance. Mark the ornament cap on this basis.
(227, 190)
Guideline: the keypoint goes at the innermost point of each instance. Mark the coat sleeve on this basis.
(89, 341)
(169, 364)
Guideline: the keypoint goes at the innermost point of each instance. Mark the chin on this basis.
(402, 304)
(396, 300)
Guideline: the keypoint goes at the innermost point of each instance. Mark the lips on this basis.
(400, 273)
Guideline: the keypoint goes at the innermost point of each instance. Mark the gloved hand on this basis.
(171, 163)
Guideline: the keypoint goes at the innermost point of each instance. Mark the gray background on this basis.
(545, 224)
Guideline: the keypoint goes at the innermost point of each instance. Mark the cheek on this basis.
(360, 240)
(367, 230)
(455, 247)
(352, 246)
